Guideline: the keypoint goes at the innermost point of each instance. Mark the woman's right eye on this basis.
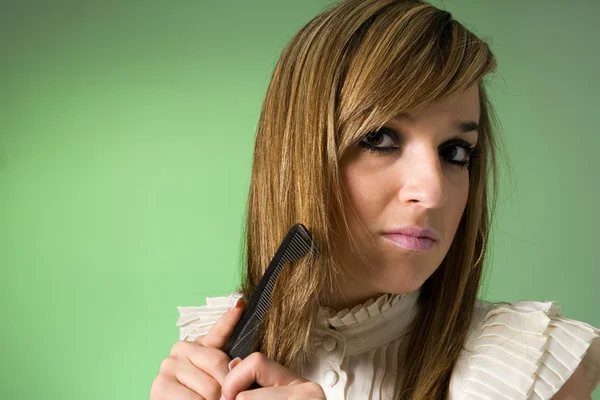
(379, 141)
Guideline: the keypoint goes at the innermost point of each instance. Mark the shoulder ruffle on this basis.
(197, 321)
(526, 350)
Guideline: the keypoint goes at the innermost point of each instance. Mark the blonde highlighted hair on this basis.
(348, 71)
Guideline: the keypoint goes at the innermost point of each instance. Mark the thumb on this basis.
(219, 334)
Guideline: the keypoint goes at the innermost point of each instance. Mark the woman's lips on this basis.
(410, 242)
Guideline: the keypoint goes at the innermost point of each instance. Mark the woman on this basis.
(377, 134)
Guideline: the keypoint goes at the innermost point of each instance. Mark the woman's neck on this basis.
(347, 294)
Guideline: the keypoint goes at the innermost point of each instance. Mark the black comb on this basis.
(296, 244)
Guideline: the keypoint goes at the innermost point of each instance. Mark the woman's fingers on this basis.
(196, 370)
(302, 391)
(270, 375)
(162, 386)
(220, 332)
(196, 379)
(212, 361)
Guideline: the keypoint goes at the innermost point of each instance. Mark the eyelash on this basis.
(470, 149)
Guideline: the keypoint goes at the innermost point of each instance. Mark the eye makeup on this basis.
(377, 137)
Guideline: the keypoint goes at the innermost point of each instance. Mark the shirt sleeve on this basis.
(197, 321)
(525, 350)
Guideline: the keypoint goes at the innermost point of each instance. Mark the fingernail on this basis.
(239, 303)
(235, 303)
(222, 397)
(233, 363)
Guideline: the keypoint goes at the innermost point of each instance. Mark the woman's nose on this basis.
(423, 181)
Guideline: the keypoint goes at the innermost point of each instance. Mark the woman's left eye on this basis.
(460, 149)
(456, 151)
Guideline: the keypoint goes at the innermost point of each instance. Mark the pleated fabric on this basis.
(524, 350)
(521, 350)
(196, 321)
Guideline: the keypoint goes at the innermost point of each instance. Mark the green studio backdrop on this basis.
(126, 138)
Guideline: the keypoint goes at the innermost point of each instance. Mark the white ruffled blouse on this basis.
(524, 351)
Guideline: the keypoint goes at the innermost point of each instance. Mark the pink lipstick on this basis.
(412, 237)
(410, 242)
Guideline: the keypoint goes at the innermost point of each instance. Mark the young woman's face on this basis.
(421, 178)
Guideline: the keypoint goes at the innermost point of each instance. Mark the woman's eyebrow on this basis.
(467, 126)
(459, 125)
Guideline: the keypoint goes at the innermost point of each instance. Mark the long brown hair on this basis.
(347, 72)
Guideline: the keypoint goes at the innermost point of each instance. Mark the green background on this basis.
(126, 137)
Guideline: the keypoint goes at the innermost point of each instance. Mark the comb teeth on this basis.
(244, 347)
(295, 250)
(298, 246)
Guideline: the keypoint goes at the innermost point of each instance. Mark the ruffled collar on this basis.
(390, 304)
(373, 323)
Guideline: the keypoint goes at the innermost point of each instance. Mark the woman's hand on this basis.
(196, 370)
(278, 382)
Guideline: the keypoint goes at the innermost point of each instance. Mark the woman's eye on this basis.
(457, 153)
(379, 141)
